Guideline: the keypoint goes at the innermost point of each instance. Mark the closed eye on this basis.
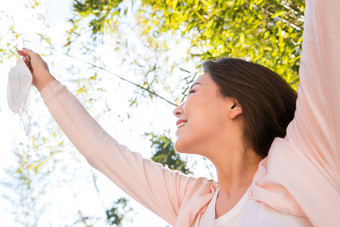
(192, 90)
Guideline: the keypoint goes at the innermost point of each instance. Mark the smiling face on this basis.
(204, 119)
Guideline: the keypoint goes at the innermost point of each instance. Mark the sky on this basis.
(153, 117)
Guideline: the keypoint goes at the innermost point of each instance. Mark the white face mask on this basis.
(18, 88)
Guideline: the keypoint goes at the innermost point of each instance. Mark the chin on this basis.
(183, 147)
(178, 147)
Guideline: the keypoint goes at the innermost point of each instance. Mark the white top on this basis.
(247, 213)
(234, 216)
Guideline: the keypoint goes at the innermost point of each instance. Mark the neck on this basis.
(235, 175)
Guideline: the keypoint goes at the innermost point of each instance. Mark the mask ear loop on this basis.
(27, 127)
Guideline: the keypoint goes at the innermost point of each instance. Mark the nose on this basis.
(178, 111)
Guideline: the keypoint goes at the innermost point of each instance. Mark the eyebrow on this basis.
(194, 84)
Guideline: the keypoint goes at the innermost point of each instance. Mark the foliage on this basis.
(26, 182)
(165, 153)
(266, 32)
(117, 214)
(104, 12)
(148, 67)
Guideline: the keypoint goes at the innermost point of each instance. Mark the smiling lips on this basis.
(180, 123)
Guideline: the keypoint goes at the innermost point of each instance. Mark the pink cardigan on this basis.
(300, 176)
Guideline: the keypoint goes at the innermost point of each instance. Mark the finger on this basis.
(26, 58)
(30, 68)
(21, 53)
(29, 52)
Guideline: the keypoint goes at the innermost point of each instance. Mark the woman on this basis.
(291, 181)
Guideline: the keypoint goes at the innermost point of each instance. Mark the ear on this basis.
(235, 110)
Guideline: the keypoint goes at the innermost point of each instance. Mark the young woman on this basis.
(236, 114)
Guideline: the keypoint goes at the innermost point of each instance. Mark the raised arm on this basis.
(315, 129)
(162, 191)
(301, 175)
(142, 179)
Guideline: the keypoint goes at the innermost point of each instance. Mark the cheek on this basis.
(206, 121)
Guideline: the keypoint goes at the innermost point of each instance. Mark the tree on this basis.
(165, 152)
(117, 214)
(266, 32)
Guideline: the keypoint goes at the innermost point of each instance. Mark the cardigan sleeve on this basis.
(155, 187)
(301, 174)
(315, 130)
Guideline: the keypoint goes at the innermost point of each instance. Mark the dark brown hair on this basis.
(267, 101)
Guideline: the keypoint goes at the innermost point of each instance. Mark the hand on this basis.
(38, 67)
